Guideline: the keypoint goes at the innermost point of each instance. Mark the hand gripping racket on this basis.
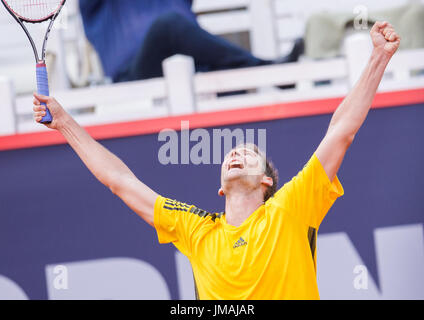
(37, 11)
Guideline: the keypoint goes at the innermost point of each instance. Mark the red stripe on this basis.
(211, 119)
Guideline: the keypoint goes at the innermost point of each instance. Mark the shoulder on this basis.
(205, 214)
(189, 210)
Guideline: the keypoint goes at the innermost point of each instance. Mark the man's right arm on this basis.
(103, 164)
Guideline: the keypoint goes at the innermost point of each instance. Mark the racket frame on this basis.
(41, 69)
(21, 21)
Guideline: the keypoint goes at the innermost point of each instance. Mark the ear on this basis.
(267, 181)
(221, 192)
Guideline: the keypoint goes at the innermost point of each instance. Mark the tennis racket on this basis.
(37, 11)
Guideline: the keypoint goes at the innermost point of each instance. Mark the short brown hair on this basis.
(272, 172)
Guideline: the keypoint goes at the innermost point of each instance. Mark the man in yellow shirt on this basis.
(265, 253)
(263, 247)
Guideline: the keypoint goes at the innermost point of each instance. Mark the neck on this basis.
(239, 205)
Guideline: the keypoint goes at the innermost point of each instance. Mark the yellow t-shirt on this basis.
(270, 256)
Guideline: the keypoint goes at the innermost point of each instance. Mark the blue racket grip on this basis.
(43, 88)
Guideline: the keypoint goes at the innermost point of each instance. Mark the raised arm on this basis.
(351, 114)
(103, 164)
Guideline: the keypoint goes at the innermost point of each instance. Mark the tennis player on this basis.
(264, 245)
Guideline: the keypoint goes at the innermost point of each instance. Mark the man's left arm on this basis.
(351, 114)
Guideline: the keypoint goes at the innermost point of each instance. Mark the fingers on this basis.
(379, 25)
(391, 36)
(389, 33)
(43, 104)
(41, 98)
(38, 116)
(37, 105)
(394, 37)
(39, 112)
(39, 109)
(387, 30)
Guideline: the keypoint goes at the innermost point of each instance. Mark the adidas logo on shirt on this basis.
(240, 242)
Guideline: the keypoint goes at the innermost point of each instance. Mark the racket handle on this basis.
(43, 88)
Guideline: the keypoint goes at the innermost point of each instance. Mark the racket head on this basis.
(34, 11)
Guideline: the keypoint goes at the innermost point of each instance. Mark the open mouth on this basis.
(235, 165)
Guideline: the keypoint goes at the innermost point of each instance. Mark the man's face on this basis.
(242, 162)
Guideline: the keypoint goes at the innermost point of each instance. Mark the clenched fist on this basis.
(384, 37)
(58, 113)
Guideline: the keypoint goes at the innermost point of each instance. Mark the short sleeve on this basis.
(310, 194)
(176, 222)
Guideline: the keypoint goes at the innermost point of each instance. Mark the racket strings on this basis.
(34, 10)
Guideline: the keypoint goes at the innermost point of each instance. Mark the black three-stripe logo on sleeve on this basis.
(176, 205)
(179, 206)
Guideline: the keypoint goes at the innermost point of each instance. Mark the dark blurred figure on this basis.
(133, 37)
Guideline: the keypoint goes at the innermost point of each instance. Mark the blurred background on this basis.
(128, 69)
